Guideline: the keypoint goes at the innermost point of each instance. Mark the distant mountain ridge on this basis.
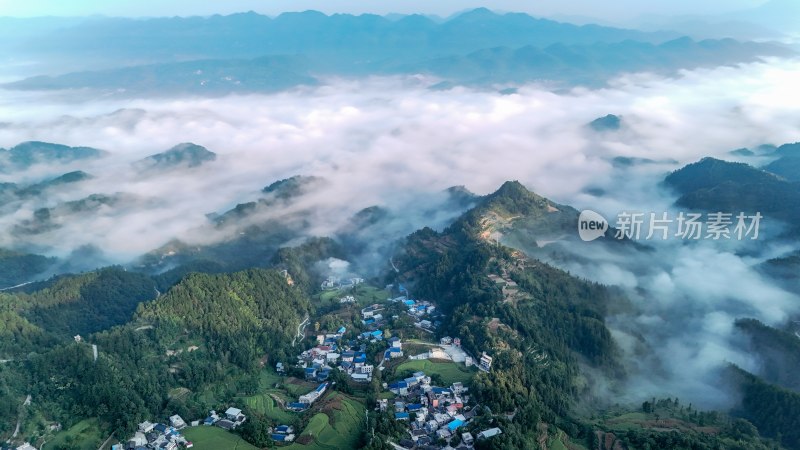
(715, 185)
(27, 154)
(249, 35)
(589, 64)
(249, 52)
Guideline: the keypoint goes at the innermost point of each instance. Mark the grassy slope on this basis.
(265, 405)
(448, 370)
(336, 428)
(215, 438)
(85, 435)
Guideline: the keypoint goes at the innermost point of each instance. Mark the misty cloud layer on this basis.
(393, 142)
(387, 140)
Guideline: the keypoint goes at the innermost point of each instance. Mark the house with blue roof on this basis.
(392, 353)
(399, 388)
(282, 437)
(452, 426)
(411, 381)
(401, 416)
(284, 429)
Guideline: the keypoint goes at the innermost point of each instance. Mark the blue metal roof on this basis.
(455, 424)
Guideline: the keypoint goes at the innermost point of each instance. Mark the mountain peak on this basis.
(186, 154)
(514, 199)
(294, 186)
(511, 188)
(608, 122)
(476, 14)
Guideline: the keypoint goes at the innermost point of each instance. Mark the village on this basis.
(383, 332)
(432, 414)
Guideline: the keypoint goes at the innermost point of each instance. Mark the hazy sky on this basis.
(609, 9)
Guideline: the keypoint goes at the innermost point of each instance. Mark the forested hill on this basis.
(539, 323)
(69, 305)
(545, 330)
(241, 315)
(206, 331)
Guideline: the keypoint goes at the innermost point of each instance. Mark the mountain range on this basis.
(244, 53)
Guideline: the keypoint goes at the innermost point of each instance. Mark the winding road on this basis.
(301, 329)
(21, 413)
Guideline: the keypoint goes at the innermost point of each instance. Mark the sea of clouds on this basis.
(396, 143)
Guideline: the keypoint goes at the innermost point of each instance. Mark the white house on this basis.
(467, 438)
(234, 414)
(146, 427)
(177, 422)
(485, 362)
(489, 433)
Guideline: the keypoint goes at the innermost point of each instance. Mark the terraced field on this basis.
(337, 426)
(266, 405)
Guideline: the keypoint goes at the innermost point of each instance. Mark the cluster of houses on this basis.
(158, 436)
(331, 353)
(231, 420)
(422, 311)
(431, 412)
(332, 283)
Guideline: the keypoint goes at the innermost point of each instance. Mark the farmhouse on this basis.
(491, 432)
(177, 422)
